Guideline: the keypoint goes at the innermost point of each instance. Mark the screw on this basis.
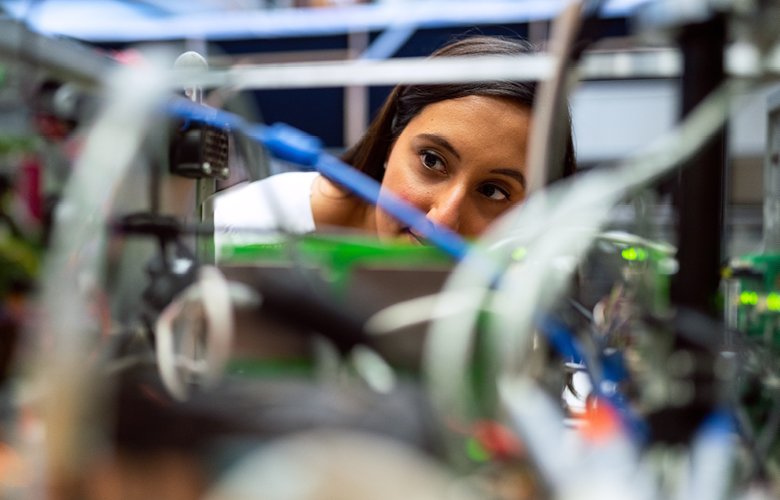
(225, 172)
(207, 168)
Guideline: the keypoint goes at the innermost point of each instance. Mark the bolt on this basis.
(225, 172)
(207, 168)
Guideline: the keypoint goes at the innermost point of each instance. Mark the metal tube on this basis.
(699, 195)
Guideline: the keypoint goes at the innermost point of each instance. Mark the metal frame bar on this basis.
(66, 59)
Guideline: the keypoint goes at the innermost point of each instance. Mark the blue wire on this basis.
(567, 346)
(719, 423)
(369, 189)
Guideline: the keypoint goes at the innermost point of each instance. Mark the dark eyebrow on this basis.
(441, 141)
(511, 172)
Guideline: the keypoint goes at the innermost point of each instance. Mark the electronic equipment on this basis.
(554, 353)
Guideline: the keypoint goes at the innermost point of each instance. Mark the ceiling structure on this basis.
(135, 20)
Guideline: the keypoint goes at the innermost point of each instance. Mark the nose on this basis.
(447, 207)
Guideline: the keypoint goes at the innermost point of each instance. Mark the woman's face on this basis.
(461, 161)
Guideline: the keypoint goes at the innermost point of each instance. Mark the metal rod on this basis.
(65, 59)
(699, 196)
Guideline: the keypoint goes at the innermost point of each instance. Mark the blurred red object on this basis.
(28, 186)
(496, 438)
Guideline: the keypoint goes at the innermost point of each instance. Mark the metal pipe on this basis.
(699, 195)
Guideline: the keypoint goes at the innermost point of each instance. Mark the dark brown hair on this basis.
(407, 101)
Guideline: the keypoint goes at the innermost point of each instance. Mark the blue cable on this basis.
(290, 144)
(368, 189)
(567, 346)
(719, 423)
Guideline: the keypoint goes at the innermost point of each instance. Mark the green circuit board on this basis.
(338, 256)
(753, 296)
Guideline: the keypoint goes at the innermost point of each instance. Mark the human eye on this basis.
(432, 161)
(494, 192)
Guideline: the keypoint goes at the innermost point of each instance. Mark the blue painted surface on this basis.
(116, 21)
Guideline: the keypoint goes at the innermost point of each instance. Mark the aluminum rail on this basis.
(374, 72)
(65, 59)
(741, 61)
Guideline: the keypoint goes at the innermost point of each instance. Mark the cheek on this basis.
(398, 181)
(386, 225)
(482, 222)
(472, 227)
(476, 219)
(402, 181)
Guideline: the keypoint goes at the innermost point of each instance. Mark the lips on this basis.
(413, 237)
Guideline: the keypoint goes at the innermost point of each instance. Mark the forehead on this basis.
(476, 125)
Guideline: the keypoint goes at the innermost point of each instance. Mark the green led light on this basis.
(749, 298)
(773, 302)
(519, 253)
(476, 451)
(630, 254)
